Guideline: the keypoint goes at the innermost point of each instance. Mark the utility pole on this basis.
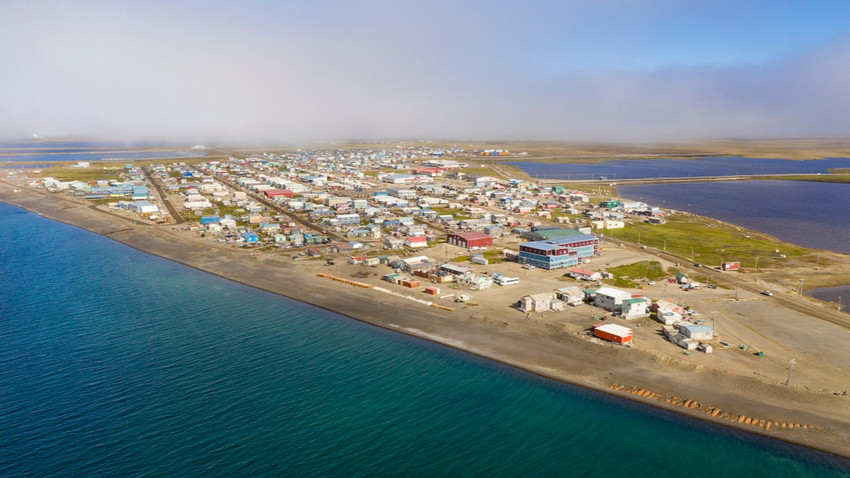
(714, 322)
(800, 289)
(665, 244)
(839, 303)
(757, 269)
(790, 368)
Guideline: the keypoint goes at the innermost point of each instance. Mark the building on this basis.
(667, 316)
(348, 219)
(556, 254)
(144, 207)
(273, 193)
(571, 295)
(537, 302)
(635, 307)
(610, 299)
(416, 242)
(585, 274)
(469, 240)
(613, 333)
(696, 332)
(250, 237)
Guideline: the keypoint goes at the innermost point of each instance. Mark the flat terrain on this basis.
(732, 386)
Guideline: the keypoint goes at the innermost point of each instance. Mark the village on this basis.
(411, 222)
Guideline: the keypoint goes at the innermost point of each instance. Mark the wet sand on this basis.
(736, 398)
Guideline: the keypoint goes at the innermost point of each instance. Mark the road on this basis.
(275, 207)
(164, 197)
(743, 283)
(684, 179)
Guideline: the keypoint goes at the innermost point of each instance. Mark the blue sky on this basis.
(606, 70)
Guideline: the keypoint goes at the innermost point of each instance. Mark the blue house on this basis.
(250, 237)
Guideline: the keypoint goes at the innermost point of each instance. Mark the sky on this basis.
(284, 71)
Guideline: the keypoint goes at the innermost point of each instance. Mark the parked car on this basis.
(767, 293)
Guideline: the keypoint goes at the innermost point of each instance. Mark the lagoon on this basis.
(674, 168)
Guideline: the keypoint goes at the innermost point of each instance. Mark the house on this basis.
(416, 242)
(679, 339)
(571, 295)
(696, 332)
(537, 302)
(250, 237)
(393, 243)
(610, 299)
(585, 274)
(453, 269)
(475, 281)
(667, 316)
(635, 307)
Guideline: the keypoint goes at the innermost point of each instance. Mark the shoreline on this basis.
(564, 359)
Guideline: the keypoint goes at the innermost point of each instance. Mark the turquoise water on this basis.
(118, 363)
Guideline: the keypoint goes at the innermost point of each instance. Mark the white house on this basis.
(610, 299)
(416, 242)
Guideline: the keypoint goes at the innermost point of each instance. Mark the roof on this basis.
(615, 329)
(543, 245)
(696, 329)
(579, 270)
(635, 300)
(470, 235)
(612, 292)
(557, 233)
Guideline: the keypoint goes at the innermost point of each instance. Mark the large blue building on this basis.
(558, 253)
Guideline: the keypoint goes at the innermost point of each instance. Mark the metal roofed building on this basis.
(556, 254)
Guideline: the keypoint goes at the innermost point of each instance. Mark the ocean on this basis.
(118, 363)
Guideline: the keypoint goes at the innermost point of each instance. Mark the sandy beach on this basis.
(730, 392)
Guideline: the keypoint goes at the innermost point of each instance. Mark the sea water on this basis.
(114, 362)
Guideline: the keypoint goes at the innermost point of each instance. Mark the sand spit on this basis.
(734, 398)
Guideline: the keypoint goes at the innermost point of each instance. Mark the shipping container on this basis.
(614, 333)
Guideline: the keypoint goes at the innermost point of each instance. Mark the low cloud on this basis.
(169, 76)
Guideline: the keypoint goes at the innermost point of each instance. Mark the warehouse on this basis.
(469, 240)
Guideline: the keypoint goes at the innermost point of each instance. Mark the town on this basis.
(444, 236)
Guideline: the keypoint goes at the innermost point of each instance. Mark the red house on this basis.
(470, 239)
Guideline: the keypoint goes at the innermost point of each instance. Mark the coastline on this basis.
(563, 358)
